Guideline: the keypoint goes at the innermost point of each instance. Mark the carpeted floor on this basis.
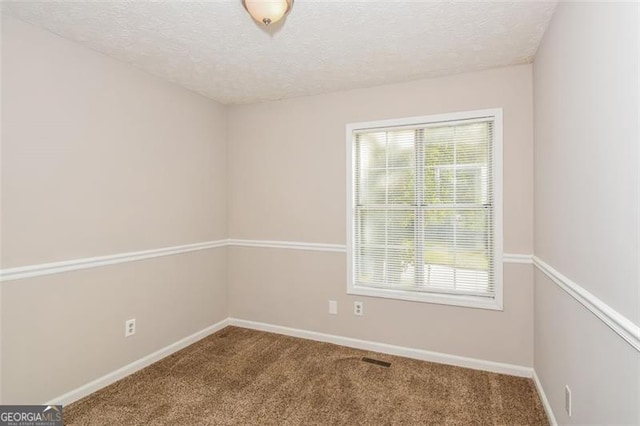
(239, 376)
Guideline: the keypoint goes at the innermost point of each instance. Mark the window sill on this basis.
(440, 299)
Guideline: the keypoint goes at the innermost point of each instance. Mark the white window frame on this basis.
(495, 303)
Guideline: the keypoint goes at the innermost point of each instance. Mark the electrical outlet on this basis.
(333, 307)
(567, 400)
(130, 327)
(358, 308)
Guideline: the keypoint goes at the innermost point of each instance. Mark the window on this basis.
(425, 209)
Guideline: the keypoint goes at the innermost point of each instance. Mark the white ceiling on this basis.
(214, 48)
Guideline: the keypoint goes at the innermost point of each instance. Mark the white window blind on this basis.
(423, 208)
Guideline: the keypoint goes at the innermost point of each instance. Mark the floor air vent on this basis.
(376, 362)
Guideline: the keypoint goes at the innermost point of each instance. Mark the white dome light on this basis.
(267, 11)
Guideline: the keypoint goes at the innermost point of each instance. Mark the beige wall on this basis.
(65, 330)
(118, 160)
(287, 169)
(97, 159)
(575, 348)
(586, 207)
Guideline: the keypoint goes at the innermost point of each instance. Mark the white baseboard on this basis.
(545, 401)
(442, 358)
(128, 369)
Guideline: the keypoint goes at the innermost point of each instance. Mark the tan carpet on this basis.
(240, 376)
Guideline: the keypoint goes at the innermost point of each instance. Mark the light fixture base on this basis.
(267, 12)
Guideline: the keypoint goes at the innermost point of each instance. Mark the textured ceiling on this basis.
(214, 48)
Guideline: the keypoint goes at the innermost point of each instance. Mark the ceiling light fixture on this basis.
(267, 11)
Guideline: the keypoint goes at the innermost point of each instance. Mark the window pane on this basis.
(469, 188)
(438, 187)
(384, 268)
(372, 187)
(371, 150)
(400, 267)
(392, 186)
(386, 227)
(369, 267)
(472, 251)
(387, 247)
(400, 229)
(437, 154)
(472, 243)
(401, 186)
(387, 168)
(457, 250)
(472, 152)
(457, 238)
(438, 237)
(439, 135)
(401, 149)
(372, 228)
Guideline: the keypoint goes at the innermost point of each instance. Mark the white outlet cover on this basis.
(130, 327)
(358, 308)
(333, 307)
